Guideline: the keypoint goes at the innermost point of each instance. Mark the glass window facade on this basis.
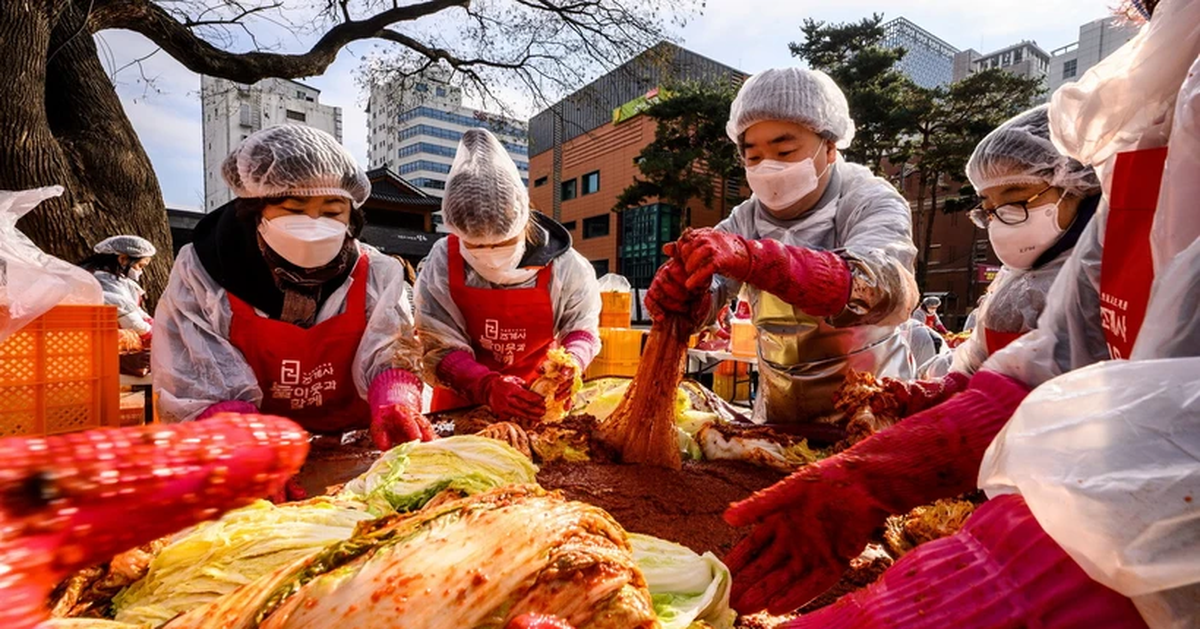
(495, 126)
(643, 232)
(928, 61)
(422, 164)
(419, 130)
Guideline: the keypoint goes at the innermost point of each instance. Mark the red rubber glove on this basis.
(538, 621)
(903, 398)
(395, 400)
(508, 398)
(291, 491)
(811, 524)
(816, 281)
(669, 295)
(231, 406)
(1000, 570)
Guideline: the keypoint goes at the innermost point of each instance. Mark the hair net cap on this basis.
(293, 160)
(485, 201)
(807, 97)
(931, 301)
(132, 246)
(1020, 152)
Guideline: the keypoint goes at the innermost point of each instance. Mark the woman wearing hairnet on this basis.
(276, 306)
(927, 314)
(118, 263)
(825, 246)
(502, 290)
(1036, 204)
(1133, 117)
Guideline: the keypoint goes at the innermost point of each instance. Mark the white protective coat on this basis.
(1117, 488)
(126, 295)
(574, 294)
(195, 365)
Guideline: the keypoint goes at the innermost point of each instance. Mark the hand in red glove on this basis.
(538, 621)
(290, 492)
(1000, 570)
(901, 398)
(395, 400)
(811, 524)
(816, 281)
(509, 399)
(669, 295)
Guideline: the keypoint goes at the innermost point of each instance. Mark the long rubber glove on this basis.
(810, 525)
(229, 406)
(507, 396)
(669, 294)
(902, 398)
(1000, 571)
(395, 400)
(817, 282)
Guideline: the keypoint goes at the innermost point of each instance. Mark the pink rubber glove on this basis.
(810, 525)
(1000, 570)
(902, 398)
(670, 296)
(816, 281)
(395, 400)
(507, 396)
(231, 406)
(538, 621)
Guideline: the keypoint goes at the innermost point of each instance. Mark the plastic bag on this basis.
(1108, 460)
(32, 282)
(613, 283)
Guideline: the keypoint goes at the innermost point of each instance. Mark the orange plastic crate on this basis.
(615, 309)
(59, 373)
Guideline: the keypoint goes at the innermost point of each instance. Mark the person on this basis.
(277, 306)
(501, 291)
(928, 316)
(1036, 205)
(1132, 118)
(825, 246)
(118, 263)
(973, 316)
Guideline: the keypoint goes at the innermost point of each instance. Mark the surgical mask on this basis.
(498, 265)
(781, 185)
(134, 274)
(306, 242)
(1019, 246)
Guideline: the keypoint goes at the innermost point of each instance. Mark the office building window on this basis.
(297, 116)
(591, 183)
(427, 149)
(1017, 56)
(425, 182)
(496, 126)
(299, 94)
(446, 134)
(596, 226)
(568, 190)
(422, 164)
(539, 182)
(422, 88)
(1070, 67)
(601, 267)
(569, 226)
(441, 91)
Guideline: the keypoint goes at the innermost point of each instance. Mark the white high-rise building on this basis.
(1025, 59)
(927, 60)
(1097, 40)
(232, 111)
(415, 124)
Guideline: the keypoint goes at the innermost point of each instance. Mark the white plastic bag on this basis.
(32, 282)
(613, 283)
(1108, 460)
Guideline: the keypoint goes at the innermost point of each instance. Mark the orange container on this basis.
(620, 352)
(616, 309)
(729, 373)
(743, 338)
(59, 373)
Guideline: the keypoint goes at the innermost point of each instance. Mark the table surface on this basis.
(700, 354)
(134, 381)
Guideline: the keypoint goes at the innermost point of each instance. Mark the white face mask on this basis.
(1019, 246)
(134, 274)
(780, 185)
(498, 265)
(304, 241)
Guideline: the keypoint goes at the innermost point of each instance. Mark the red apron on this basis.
(511, 329)
(305, 375)
(1127, 266)
(995, 341)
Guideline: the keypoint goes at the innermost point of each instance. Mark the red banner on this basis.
(986, 272)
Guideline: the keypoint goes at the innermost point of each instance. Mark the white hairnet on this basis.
(807, 97)
(1020, 152)
(294, 160)
(485, 202)
(132, 246)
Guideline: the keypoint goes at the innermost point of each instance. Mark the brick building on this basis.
(583, 154)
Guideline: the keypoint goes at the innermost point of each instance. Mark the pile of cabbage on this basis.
(455, 529)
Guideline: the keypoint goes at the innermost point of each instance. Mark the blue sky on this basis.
(750, 35)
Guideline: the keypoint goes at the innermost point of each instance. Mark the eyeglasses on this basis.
(1009, 213)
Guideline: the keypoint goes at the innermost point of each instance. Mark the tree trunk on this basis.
(61, 122)
(927, 241)
(919, 214)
